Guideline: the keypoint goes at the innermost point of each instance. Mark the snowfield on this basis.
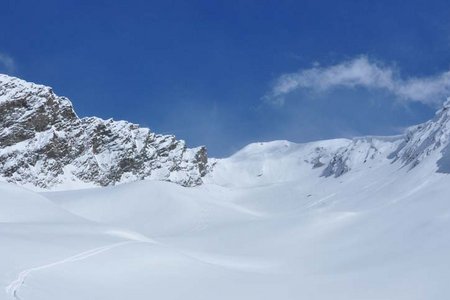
(365, 218)
(264, 225)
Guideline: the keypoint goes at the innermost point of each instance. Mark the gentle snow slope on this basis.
(265, 226)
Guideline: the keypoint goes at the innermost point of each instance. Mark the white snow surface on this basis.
(365, 218)
(265, 225)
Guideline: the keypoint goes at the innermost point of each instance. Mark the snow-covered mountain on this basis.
(266, 224)
(44, 144)
(363, 218)
(280, 161)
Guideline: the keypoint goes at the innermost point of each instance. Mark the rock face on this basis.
(43, 143)
(425, 139)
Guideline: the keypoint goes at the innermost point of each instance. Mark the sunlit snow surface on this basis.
(265, 225)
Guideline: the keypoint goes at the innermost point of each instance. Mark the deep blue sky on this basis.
(199, 69)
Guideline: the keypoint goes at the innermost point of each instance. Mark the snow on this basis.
(45, 145)
(13, 88)
(19, 205)
(265, 226)
(362, 218)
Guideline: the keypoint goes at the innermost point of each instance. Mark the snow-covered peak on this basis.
(279, 161)
(43, 143)
(12, 88)
(428, 139)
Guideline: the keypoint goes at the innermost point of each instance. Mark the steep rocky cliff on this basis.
(43, 143)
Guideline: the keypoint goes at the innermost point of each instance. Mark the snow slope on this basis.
(363, 218)
(265, 226)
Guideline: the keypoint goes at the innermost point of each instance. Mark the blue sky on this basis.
(227, 73)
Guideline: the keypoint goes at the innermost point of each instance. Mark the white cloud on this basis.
(7, 63)
(366, 73)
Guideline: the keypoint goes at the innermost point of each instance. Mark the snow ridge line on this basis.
(13, 288)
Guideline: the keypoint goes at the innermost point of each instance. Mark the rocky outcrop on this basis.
(422, 140)
(43, 143)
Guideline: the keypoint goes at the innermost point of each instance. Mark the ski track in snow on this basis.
(13, 288)
(235, 263)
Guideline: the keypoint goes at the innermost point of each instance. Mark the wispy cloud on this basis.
(7, 63)
(366, 73)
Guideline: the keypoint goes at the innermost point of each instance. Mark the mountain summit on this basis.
(44, 144)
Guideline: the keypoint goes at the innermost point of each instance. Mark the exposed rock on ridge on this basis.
(422, 140)
(43, 143)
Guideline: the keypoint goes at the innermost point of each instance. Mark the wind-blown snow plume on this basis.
(366, 73)
(7, 63)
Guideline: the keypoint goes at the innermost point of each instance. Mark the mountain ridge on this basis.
(44, 144)
(335, 158)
